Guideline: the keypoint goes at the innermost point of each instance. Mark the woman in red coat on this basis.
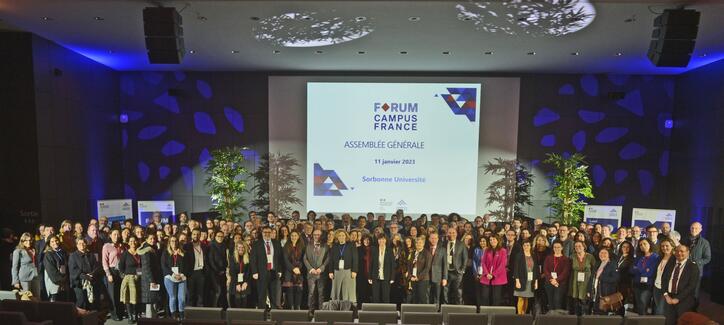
(556, 270)
(495, 274)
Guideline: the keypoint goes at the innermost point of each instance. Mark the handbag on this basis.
(611, 303)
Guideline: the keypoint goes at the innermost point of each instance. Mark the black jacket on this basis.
(190, 256)
(688, 280)
(52, 261)
(151, 266)
(350, 257)
(168, 262)
(127, 264)
(217, 258)
(388, 264)
(520, 270)
(80, 265)
(235, 267)
(607, 283)
(258, 258)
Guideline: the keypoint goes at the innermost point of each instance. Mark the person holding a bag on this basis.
(25, 270)
(604, 286)
(130, 268)
(55, 265)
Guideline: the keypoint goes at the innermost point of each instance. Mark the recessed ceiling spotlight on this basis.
(98, 18)
(414, 18)
(702, 55)
(531, 53)
(446, 52)
(234, 51)
(467, 19)
(489, 52)
(576, 53)
(192, 51)
(276, 51)
(319, 52)
(110, 52)
(403, 52)
(254, 18)
(360, 18)
(618, 54)
(361, 52)
(46, 18)
(307, 18)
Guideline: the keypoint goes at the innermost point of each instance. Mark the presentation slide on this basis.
(387, 146)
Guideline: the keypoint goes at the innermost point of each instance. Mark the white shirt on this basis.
(660, 273)
(198, 257)
(381, 258)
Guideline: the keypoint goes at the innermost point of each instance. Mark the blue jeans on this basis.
(658, 301)
(642, 295)
(176, 294)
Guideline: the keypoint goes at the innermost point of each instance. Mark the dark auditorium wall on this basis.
(78, 132)
(63, 143)
(176, 119)
(19, 184)
(624, 139)
(697, 179)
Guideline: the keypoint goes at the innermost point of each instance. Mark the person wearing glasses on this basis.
(652, 233)
(24, 269)
(267, 265)
(85, 276)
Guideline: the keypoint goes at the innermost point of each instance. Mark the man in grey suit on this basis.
(315, 259)
(438, 270)
(456, 259)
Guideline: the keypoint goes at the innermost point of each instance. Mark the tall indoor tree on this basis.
(226, 181)
(511, 192)
(571, 187)
(277, 184)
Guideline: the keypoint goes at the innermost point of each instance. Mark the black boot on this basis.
(181, 316)
(131, 310)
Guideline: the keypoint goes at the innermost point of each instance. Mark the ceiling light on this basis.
(414, 18)
(360, 18)
(319, 52)
(46, 18)
(234, 51)
(489, 53)
(97, 18)
(531, 53)
(619, 54)
(403, 52)
(702, 55)
(192, 51)
(110, 52)
(276, 51)
(307, 18)
(254, 18)
(446, 52)
(576, 53)
(467, 19)
(361, 52)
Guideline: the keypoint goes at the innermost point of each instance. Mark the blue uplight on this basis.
(669, 124)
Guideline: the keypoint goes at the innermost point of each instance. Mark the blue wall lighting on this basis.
(669, 124)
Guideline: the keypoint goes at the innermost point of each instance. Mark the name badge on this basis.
(530, 276)
(240, 277)
(62, 269)
(156, 287)
(341, 265)
(480, 271)
(644, 279)
(449, 259)
(414, 271)
(554, 275)
(174, 270)
(580, 276)
(139, 272)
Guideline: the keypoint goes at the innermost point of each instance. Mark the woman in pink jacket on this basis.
(494, 276)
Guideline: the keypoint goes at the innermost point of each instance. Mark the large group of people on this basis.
(271, 262)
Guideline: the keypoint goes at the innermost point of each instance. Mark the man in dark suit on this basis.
(266, 267)
(196, 261)
(679, 283)
(456, 257)
(438, 268)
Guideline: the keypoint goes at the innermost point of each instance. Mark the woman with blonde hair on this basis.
(174, 277)
(239, 287)
(343, 268)
(67, 238)
(24, 269)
